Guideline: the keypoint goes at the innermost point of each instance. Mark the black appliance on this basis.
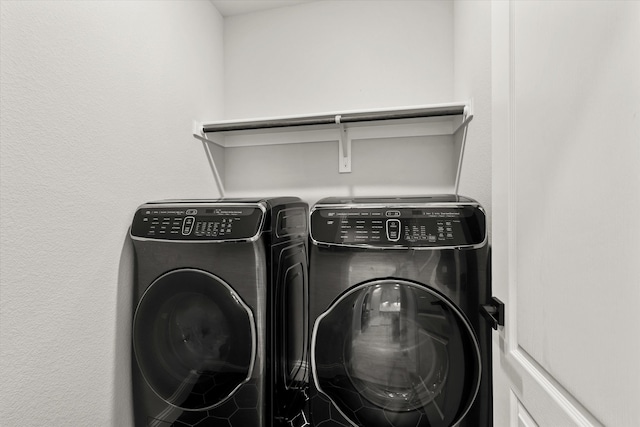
(396, 288)
(220, 288)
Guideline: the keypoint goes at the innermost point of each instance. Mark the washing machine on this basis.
(397, 334)
(220, 286)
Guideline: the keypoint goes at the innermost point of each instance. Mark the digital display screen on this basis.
(292, 222)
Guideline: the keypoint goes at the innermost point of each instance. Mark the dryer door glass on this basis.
(394, 352)
(194, 339)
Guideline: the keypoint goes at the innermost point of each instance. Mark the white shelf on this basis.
(343, 127)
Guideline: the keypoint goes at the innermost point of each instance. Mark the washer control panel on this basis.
(197, 222)
(461, 225)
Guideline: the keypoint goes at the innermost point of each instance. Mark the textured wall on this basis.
(97, 100)
(336, 56)
(97, 103)
(472, 80)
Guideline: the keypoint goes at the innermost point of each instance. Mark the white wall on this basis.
(97, 101)
(472, 68)
(472, 80)
(333, 56)
(338, 55)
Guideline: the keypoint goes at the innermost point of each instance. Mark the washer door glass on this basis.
(194, 339)
(394, 351)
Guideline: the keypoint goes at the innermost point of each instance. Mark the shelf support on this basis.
(202, 137)
(344, 148)
(467, 116)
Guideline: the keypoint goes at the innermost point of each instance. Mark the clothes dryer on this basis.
(215, 281)
(396, 288)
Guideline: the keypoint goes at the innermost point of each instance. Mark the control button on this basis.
(192, 211)
(187, 225)
(393, 230)
(392, 214)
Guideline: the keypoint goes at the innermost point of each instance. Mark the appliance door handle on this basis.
(493, 312)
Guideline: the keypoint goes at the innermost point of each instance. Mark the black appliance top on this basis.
(443, 221)
(268, 201)
(205, 219)
(438, 198)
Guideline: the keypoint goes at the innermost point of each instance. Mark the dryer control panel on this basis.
(417, 226)
(198, 222)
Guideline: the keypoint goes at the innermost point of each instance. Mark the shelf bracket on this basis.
(344, 148)
(493, 312)
(202, 137)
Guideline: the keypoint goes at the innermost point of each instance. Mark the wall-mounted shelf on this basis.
(343, 127)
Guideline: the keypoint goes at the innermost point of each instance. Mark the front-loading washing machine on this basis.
(220, 286)
(396, 289)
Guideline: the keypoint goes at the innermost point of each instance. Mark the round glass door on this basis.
(395, 351)
(194, 339)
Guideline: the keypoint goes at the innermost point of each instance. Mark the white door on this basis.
(566, 212)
